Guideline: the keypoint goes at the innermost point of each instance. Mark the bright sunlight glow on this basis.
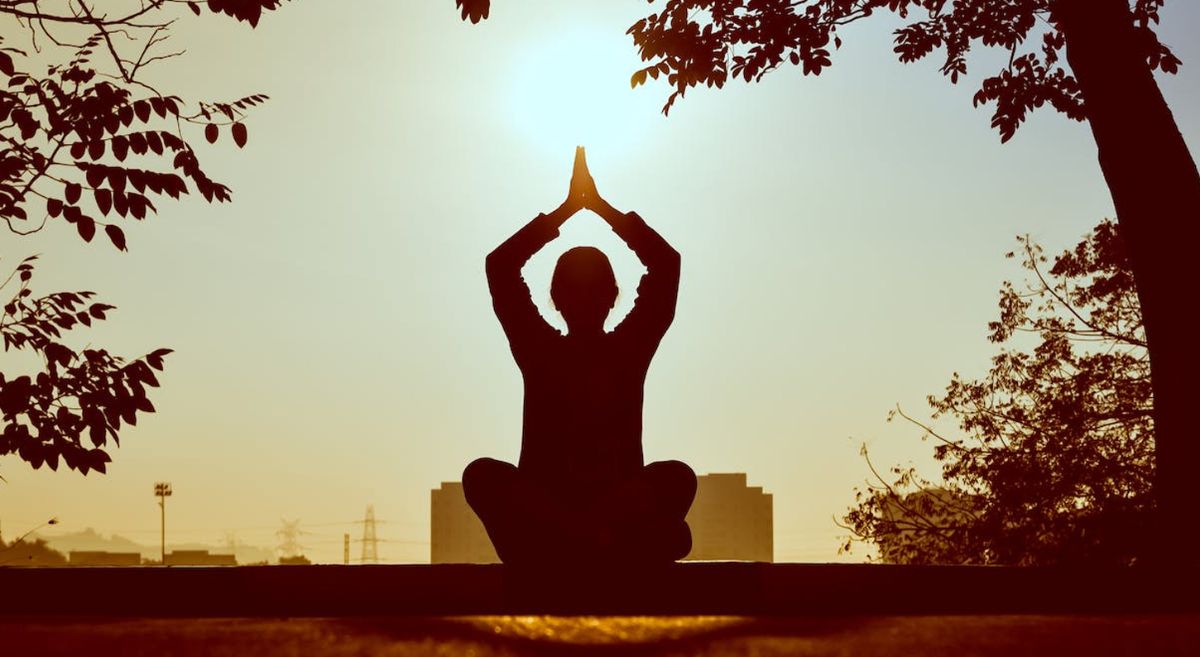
(573, 89)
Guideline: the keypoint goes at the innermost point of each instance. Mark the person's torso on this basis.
(583, 410)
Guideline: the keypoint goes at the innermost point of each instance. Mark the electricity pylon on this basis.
(370, 548)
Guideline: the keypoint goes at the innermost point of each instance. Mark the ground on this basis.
(716, 608)
(568, 636)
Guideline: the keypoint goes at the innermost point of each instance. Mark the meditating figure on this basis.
(581, 490)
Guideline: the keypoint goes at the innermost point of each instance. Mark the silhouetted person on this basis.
(581, 489)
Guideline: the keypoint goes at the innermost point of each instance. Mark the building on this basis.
(199, 558)
(730, 521)
(455, 533)
(102, 558)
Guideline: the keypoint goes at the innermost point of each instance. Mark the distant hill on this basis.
(90, 539)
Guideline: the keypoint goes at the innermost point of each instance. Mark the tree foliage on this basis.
(1056, 462)
(74, 406)
(474, 10)
(692, 43)
(32, 552)
(85, 141)
(706, 42)
(88, 142)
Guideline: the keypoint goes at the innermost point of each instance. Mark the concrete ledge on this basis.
(697, 588)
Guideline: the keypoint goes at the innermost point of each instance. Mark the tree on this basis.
(77, 393)
(474, 10)
(90, 144)
(35, 552)
(1112, 51)
(1058, 460)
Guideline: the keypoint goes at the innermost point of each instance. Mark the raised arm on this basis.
(658, 290)
(654, 308)
(514, 306)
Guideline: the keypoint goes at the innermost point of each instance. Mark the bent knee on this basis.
(675, 475)
(674, 479)
(482, 476)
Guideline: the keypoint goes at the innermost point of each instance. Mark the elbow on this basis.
(662, 259)
(494, 262)
(670, 255)
(670, 259)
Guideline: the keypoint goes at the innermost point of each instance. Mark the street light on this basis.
(162, 490)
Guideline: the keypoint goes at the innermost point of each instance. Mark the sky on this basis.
(842, 238)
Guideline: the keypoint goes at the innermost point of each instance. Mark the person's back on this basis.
(583, 411)
(581, 485)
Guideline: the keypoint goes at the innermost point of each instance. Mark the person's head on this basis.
(583, 288)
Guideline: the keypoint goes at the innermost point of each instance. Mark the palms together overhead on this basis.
(582, 193)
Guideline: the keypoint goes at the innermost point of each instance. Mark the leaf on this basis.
(95, 176)
(211, 132)
(73, 192)
(142, 109)
(54, 207)
(116, 235)
(120, 203)
(138, 142)
(155, 358)
(474, 10)
(6, 64)
(137, 206)
(154, 143)
(86, 227)
(194, 7)
(97, 309)
(120, 148)
(96, 426)
(116, 179)
(239, 134)
(104, 200)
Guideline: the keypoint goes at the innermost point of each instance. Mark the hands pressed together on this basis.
(582, 193)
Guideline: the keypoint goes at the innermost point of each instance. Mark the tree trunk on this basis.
(1156, 190)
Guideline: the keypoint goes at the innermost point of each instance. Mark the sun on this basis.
(573, 89)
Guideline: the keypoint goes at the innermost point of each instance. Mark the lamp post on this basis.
(162, 490)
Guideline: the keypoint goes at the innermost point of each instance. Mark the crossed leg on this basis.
(646, 514)
(638, 520)
(516, 513)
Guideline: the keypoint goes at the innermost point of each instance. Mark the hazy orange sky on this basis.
(842, 241)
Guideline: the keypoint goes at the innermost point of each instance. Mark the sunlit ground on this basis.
(601, 629)
(1095, 636)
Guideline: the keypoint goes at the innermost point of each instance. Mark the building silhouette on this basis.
(456, 534)
(199, 558)
(102, 558)
(729, 520)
